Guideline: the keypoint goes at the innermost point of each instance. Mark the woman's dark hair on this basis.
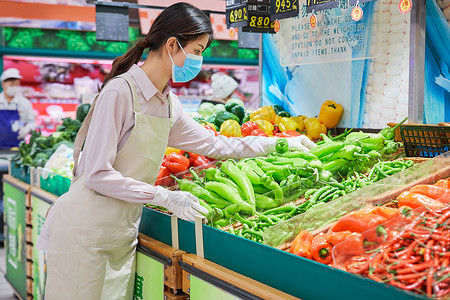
(181, 20)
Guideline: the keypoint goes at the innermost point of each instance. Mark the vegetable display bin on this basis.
(425, 140)
(20, 172)
(53, 183)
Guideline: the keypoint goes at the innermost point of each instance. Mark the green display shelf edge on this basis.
(107, 55)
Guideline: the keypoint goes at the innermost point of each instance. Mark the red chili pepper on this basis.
(164, 178)
(202, 163)
(248, 127)
(177, 163)
(259, 132)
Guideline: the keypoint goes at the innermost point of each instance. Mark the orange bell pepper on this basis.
(321, 249)
(350, 243)
(388, 212)
(414, 200)
(301, 245)
(330, 113)
(436, 192)
(445, 183)
(357, 221)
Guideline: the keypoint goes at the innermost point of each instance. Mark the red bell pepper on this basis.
(301, 245)
(177, 163)
(202, 163)
(163, 178)
(287, 133)
(357, 221)
(191, 156)
(248, 127)
(259, 132)
(321, 249)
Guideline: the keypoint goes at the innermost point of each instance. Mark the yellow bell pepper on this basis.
(313, 128)
(230, 128)
(330, 113)
(287, 124)
(300, 122)
(171, 150)
(277, 120)
(265, 126)
(263, 113)
(323, 129)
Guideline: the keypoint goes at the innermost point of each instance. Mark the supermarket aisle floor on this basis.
(6, 292)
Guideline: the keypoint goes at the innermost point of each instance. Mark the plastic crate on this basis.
(20, 172)
(53, 183)
(425, 140)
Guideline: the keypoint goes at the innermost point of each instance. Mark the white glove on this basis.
(23, 132)
(182, 204)
(302, 143)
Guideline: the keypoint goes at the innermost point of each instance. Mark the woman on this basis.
(93, 228)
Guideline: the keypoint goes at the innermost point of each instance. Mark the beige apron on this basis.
(93, 238)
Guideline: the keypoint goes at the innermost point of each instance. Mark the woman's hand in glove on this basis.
(182, 204)
(302, 143)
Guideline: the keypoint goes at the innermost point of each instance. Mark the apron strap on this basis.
(82, 132)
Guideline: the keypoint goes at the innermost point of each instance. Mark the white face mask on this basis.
(12, 90)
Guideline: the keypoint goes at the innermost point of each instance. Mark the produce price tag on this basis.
(236, 13)
(405, 6)
(356, 13)
(313, 21)
(231, 33)
(276, 26)
(259, 17)
(319, 5)
(283, 9)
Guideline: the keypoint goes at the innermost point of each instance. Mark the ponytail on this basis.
(181, 20)
(123, 63)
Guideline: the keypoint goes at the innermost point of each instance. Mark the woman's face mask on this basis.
(191, 68)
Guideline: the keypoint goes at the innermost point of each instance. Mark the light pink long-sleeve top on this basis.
(113, 120)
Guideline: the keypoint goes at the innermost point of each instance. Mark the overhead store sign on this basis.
(319, 5)
(259, 19)
(112, 23)
(236, 13)
(282, 9)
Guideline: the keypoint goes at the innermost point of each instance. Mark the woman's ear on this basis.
(171, 45)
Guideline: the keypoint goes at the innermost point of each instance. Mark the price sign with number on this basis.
(318, 5)
(236, 14)
(283, 9)
(405, 6)
(259, 19)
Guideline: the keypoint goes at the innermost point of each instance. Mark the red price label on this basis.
(405, 6)
(276, 26)
(313, 21)
(231, 33)
(357, 13)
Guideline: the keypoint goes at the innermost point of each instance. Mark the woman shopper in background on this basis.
(93, 228)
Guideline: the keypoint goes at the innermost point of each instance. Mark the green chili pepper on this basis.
(232, 209)
(280, 172)
(229, 168)
(221, 223)
(272, 185)
(310, 192)
(200, 192)
(348, 152)
(326, 138)
(278, 210)
(245, 222)
(213, 174)
(316, 164)
(389, 133)
(294, 162)
(389, 148)
(281, 145)
(252, 232)
(260, 189)
(264, 202)
(299, 154)
(318, 193)
(368, 141)
(326, 149)
(195, 175)
(230, 194)
(231, 229)
(251, 174)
